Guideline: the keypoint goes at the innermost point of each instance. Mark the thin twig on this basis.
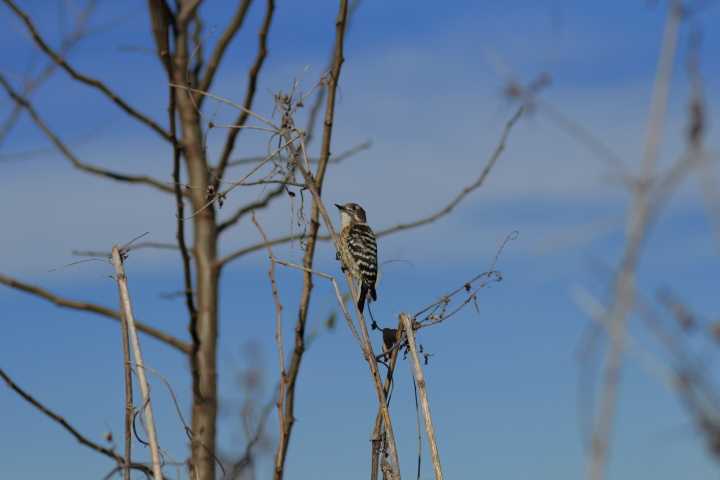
(335, 159)
(91, 253)
(278, 337)
(478, 183)
(250, 208)
(239, 182)
(348, 318)
(273, 127)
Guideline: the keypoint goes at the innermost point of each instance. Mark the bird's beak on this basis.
(339, 206)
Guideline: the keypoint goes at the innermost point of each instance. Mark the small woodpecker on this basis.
(358, 250)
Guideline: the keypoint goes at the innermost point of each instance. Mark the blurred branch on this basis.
(43, 152)
(637, 220)
(596, 311)
(67, 153)
(137, 466)
(80, 77)
(586, 138)
(77, 34)
(91, 307)
(247, 458)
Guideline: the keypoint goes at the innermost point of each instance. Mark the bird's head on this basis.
(351, 213)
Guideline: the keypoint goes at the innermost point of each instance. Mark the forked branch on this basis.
(66, 151)
(80, 77)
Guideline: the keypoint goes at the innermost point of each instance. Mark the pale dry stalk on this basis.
(129, 319)
(422, 388)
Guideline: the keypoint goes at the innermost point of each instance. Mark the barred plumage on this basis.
(358, 250)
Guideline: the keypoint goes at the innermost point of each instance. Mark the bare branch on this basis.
(281, 354)
(80, 77)
(222, 194)
(249, 208)
(221, 46)
(637, 221)
(67, 153)
(273, 127)
(348, 318)
(59, 419)
(445, 300)
(249, 93)
(376, 438)
(77, 34)
(486, 171)
(91, 307)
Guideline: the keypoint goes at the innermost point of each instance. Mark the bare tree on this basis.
(197, 187)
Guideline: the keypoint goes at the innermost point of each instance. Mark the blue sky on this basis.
(423, 81)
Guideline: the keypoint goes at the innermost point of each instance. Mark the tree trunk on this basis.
(205, 331)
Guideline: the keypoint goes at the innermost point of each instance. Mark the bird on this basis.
(389, 336)
(358, 250)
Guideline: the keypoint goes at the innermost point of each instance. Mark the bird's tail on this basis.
(361, 300)
(363, 294)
